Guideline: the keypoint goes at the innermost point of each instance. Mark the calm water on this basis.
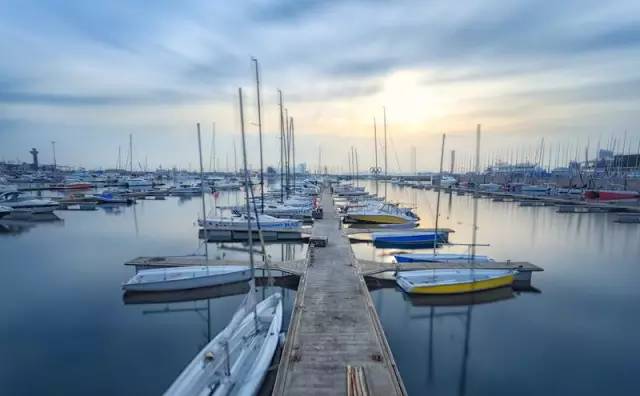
(67, 330)
(576, 335)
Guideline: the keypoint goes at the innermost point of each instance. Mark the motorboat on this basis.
(453, 281)
(447, 181)
(188, 189)
(137, 182)
(385, 213)
(409, 238)
(236, 361)
(184, 278)
(241, 223)
(5, 211)
(441, 258)
(16, 201)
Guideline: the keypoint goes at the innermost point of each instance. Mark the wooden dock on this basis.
(335, 344)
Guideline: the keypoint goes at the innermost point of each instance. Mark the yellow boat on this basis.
(453, 281)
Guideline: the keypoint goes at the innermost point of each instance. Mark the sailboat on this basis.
(385, 213)
(237, 359)
(184, 278)
(454, 281)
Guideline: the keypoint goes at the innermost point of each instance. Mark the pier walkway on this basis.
(335, 344)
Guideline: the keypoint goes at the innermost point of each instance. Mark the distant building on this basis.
(626, 161)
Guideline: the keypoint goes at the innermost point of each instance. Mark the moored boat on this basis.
(611, 195)
(237, 359)
(441, 258)
(406, 238)
(16, 201)
(453, 281)
(183, 278)
(241, 223)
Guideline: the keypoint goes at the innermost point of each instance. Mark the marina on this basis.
(319, 198)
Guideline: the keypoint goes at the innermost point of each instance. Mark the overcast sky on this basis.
(88, 73)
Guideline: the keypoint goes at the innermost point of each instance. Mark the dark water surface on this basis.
(576, 335)
(66, 330)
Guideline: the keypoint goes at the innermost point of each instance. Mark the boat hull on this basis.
(214, 279)
(463, 286)
(376, 219)
(249, 355)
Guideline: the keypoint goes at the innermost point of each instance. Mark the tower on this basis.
(34, 153)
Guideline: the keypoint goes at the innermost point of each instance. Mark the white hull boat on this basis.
(240, 223)
(184, 278)
(236, 361)
(14, 201)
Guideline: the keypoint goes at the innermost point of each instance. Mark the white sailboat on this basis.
(241, 223)
(236, 361)
(184, 278)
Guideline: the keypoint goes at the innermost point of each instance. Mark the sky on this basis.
(88, 74)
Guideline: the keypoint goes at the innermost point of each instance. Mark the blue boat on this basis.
(441, 258)
(409, 238)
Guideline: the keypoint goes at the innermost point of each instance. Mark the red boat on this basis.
(611, 195)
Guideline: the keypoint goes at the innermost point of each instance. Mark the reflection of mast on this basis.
(462, 386)
(433, 309)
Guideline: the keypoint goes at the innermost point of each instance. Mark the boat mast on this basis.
(293, 153)
(475, 201)
(204, 209)
(247, 186)
(281, 149)
(286, 146)
(386, 173)
(255, 60)
(376, 171)
(130, 153)
(435, 244)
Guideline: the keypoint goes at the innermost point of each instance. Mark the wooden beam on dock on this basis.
(368, 267)
(334, 325)
(293, 267)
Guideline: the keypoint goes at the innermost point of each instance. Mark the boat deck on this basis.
(334, 328)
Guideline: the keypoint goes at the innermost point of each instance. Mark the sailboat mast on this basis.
(475, 201)
(386, 173)
(435, 244)
(204, 209)
(247, 186)
(130, 153)
(281, 149)
(293, 152)
(255, 60)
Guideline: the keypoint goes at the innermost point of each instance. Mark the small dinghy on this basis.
(409, 238)
(441, 258)
(453, 281)
(183, 278)
(237, 359)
